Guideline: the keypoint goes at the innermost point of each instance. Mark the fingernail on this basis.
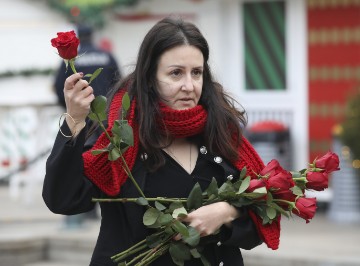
(81, 74)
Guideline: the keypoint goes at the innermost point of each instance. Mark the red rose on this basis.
(67, 44)
(287, 195)
(329, 162)
(317, 180)
(280, 181)
(306, 208)
(254, 184)
(272, 167)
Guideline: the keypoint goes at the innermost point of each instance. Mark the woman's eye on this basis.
(197, 72)
(175, 73)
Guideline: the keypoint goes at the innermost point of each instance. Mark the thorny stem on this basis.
(71, 62)
(129, 249)
(285, 201)
(130, 252)
(182, 200)
(154, 255)
(147, 256)
(156, 252)
(138, 257)
(299, 178)
(127, 170)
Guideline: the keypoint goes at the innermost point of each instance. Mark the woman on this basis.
(186, 130)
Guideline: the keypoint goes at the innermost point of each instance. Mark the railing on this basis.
(27, 134)
(283, 116)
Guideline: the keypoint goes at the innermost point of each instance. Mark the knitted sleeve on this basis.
(270, 233)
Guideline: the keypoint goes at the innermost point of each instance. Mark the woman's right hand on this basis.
(78, 97)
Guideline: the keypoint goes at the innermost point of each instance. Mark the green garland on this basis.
(88, 11)
(28, 72)
(351, 124)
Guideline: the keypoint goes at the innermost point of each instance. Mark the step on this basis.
(54, 263)
(17, 252)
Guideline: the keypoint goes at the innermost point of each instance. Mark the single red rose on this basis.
(329, 162)
(287, 195)
(272, 167)
(254, 184)
(306, 208)
(317, 180)
(280, 181)
(67, 44)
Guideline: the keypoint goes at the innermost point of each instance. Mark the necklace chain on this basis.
(171, 153)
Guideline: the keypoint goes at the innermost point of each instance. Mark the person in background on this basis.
(90, 58)
(187, 130)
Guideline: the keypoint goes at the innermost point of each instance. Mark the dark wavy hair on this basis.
(223, 129)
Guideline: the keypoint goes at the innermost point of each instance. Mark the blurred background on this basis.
(293, 65)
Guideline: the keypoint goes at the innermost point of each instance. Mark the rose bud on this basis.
(317, 180)
(67, 44)
(280, 181)
(287, 195)
(329, 162)
(272, 166)
(306, 208)
(254, 184)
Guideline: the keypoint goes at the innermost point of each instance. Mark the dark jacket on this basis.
(67, 191)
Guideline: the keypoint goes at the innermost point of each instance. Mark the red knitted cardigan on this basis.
(109, 175)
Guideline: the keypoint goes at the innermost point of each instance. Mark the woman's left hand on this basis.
(208, 219)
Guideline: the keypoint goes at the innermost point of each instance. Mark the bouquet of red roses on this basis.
(274, 192)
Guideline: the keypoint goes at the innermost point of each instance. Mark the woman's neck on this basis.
(184, 152)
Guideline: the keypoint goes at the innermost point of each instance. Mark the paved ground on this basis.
(321, 240)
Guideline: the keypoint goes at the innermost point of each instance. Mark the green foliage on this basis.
(122, 132)
(91, 12)
(194, 200)
(167, 214)
(27, 72)
(95, 74)
(351, 125)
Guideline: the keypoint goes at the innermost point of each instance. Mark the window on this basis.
(264, 36)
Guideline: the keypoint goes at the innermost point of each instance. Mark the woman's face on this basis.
(180, 77)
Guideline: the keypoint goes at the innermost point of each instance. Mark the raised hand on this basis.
(78, 97)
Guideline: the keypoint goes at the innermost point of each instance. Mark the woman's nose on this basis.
(188, 84)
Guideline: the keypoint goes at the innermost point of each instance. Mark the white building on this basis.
(27, 27)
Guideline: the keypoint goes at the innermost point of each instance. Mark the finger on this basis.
(72, 80)
(184, 218)
(177, 237)
(80, 85)
(87, 91)
(89, 99)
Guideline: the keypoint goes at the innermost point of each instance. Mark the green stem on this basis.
(156, 249)
(160, 251)
(71, 62)
(183, 200)
(299, 179)
(132, 251)
(285, 201)
(129, 249)
(127, 170)
(102, 127)
(138, 257)
(131, 176)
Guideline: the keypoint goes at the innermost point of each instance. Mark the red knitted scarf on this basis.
(109, 175)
